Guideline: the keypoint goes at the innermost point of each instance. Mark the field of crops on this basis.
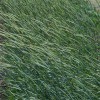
(49, 50)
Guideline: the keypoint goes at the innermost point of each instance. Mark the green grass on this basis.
(50, 50)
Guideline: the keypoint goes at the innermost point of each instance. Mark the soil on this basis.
(96, 4)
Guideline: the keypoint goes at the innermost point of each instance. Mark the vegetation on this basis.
(50, 50)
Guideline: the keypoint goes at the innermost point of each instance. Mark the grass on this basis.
(50, 50)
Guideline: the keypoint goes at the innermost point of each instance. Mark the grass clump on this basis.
(50, 49)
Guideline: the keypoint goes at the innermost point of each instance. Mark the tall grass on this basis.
(50, 49)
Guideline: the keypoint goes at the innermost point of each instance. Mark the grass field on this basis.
(49, 50)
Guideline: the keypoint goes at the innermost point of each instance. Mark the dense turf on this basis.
(50, 49)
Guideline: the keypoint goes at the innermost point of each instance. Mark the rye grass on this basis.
(50, 50)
